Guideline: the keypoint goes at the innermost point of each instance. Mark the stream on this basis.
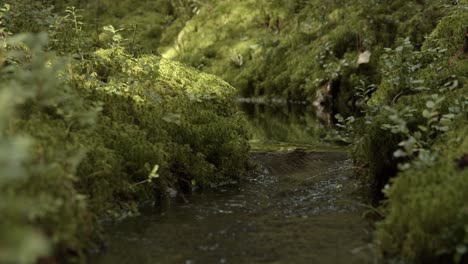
(303, 206)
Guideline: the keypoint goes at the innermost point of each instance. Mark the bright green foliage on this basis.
(40, 194)
(274, 48)
(78, 138)
(146, 25)
(19, 242)
(290, 48)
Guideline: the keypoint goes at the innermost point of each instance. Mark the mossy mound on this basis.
(107, 132)
(161, 112)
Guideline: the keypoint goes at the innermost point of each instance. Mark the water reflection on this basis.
(281, 124)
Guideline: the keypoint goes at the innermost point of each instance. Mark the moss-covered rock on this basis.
(160, 112)
(109, 131)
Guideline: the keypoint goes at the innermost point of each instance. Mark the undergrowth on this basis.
(90, 131)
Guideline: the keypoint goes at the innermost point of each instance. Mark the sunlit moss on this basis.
(290, 49)
(100, 124)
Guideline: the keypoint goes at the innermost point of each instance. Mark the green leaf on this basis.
(423, 128)
(462, 249)
(442, 128)
(154, 173)
(110, 28)
(399, 153)
(418, 135)
(404, 166)
(172, 118)
(445, 122)
(426, 114)
(449, 116)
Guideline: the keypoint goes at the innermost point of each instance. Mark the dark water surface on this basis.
(303, 207)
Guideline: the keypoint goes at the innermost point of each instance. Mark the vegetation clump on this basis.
(409, 141)
(96, 131)
(425, 214)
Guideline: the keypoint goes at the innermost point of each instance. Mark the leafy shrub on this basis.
(420, 110)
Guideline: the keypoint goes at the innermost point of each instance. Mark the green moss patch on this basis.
(106, 132)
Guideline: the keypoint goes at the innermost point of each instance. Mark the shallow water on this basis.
(301, 207)
(284, 126)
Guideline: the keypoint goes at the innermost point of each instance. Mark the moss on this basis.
(425, 211)
(449, 32)
(100, 125)
(288, 49)
(426, 216)
(160, 112)
(374, 151)
(290, 52)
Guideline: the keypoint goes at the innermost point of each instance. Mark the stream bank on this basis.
(302, 206)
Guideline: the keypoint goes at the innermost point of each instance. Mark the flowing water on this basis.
(302, 207)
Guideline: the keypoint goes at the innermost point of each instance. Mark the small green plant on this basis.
(237, 59)
(415, 148)
(345, 130)
(112, 36)
(33, 83)
(3, 10)
(187, 7)
(67, 35)
(151, 176)
(363, 93)
(399, 65)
